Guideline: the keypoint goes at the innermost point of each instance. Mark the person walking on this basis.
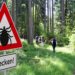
(54, 44)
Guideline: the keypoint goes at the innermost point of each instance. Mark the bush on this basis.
(72, 41)
(62, 41)
(66, 41)
(48, 36)
(25, 43)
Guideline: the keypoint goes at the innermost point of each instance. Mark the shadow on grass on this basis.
(38, 61)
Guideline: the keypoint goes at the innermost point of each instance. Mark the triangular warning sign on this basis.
(9, 38)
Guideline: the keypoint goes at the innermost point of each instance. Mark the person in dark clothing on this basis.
(54, 44)
(37, 37)
(43, 40)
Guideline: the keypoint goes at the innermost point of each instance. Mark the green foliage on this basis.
(23, 70)
(62, 41)
(39, 28)
(48, 37)
(66, 40)
(38, 61)
(72, 41)
(25, 43)
(68, 30)
(21, 17)
(21, 25)
(69, 16)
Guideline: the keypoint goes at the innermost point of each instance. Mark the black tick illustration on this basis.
(5, 36)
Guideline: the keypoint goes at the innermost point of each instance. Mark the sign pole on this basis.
(5, 69)
(4, 54)
(4, 72)
(12, 36)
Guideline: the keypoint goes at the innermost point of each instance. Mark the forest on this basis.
(37, 23)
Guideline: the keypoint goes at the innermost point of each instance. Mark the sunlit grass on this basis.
(23, 69)
(33, 60)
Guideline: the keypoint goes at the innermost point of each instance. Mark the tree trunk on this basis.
(52, 18)
(48, 22)
(14, 11)
(45, 19)
(62, 16)
(66, 8)
(30, 25)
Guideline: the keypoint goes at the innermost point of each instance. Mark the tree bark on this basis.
(62, 16)
(48, 22)
(30, 25)
(14, 11)
(52, 18)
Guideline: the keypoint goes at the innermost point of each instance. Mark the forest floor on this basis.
(37, 60)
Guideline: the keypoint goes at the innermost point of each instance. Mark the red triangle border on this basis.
(4, 10)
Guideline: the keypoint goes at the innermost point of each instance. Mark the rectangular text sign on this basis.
(7, 61)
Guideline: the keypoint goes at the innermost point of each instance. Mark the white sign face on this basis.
(4, 23)
(9, 38)
(7, 61)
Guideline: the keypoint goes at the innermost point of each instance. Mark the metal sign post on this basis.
(5, 72)
(6, 22)
(5, 69)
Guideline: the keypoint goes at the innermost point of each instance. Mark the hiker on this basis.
(54, 44)
(42, 41)
(37, 37)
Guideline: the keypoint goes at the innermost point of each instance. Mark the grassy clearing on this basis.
(34, 60)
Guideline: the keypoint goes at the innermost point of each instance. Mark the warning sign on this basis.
(7, 61)
(9, 38)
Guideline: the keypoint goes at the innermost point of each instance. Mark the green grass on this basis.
(41, 61)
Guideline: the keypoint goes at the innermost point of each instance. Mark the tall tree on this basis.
(14, 11)
(62, 16)
(48, 11)
(52, 17)
(30, 25)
